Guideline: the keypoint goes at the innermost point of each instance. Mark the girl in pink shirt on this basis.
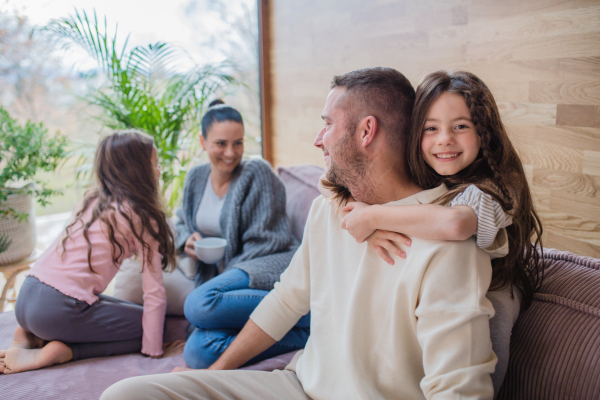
(62, 313)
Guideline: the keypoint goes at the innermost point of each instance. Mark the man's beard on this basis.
(350, 167)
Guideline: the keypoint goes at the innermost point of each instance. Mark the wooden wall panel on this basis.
(541, 59)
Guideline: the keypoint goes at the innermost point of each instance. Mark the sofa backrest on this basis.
(301, 189)
(555, 344)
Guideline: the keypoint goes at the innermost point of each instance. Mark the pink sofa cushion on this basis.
(555, 344)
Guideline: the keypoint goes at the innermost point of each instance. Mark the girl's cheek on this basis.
(424, 147)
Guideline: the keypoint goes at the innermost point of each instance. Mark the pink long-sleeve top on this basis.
(72, 276)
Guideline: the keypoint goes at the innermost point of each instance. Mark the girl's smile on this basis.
(446, 156)
(450, 141)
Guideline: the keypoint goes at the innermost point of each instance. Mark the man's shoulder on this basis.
(468, 246)
(321, 218)
(425, 196)
(449, 260)
(321, 207)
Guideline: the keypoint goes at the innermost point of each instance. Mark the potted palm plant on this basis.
(146, 88)
(24, 150)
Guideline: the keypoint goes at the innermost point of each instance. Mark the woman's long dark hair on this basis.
(124, 174)
(497, 170)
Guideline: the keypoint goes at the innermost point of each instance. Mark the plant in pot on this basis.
(24, 151)
(147, 88)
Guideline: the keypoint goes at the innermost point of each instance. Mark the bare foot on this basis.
(26, 340)
(181, 369)
(2, 355)
(21, 340)
(18, 359)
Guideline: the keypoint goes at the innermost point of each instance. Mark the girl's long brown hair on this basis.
(124, 173)
(497, 170)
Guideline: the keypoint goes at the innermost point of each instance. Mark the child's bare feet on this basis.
(26, 340)
(2, 355)
(21, 340)
(19, 359)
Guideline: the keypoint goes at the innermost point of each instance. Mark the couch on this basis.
(555, 344)
(554, 348)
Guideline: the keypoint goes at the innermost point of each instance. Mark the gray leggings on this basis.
(108, 327)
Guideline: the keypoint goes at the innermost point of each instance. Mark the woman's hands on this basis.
(189, 245)
(359, 220)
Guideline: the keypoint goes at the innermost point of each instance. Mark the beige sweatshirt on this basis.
(418, 329)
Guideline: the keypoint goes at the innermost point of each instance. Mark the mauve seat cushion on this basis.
(555, 344)
(87, 379)
(83, 379)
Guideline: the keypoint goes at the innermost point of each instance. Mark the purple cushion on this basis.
(555, 344)
(83, 379)
(301, 188)
(87, 379)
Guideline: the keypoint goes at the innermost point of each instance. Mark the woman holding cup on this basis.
(242, 202)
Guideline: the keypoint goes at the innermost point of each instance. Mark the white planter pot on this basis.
(22, 234)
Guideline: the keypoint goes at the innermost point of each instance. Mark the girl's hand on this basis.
(387, 242)
(356, 220)
(189, 245)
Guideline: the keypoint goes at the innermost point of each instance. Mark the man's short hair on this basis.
(385, 94)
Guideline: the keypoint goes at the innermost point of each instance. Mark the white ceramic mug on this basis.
(210, 250)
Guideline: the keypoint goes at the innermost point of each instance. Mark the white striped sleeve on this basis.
(490, 215)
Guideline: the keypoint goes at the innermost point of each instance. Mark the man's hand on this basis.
(357, 220)
(386, 243)
(250, 342)
(189, 245)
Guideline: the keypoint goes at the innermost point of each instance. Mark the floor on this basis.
(47, 229)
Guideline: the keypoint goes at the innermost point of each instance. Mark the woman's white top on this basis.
(209, 212)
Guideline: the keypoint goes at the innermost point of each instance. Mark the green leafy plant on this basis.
(4, 243)
(144, 89)
(25, 150)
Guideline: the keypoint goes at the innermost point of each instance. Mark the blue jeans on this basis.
(219, 309)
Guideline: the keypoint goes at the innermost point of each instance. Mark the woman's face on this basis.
(224, 145)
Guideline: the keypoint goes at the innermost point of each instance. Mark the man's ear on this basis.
(368, 130)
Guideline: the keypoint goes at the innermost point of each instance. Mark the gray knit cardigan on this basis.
(253, 220)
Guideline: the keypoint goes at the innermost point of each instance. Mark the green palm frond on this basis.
(146, 90)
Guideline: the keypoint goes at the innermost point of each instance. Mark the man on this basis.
(415, 330)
